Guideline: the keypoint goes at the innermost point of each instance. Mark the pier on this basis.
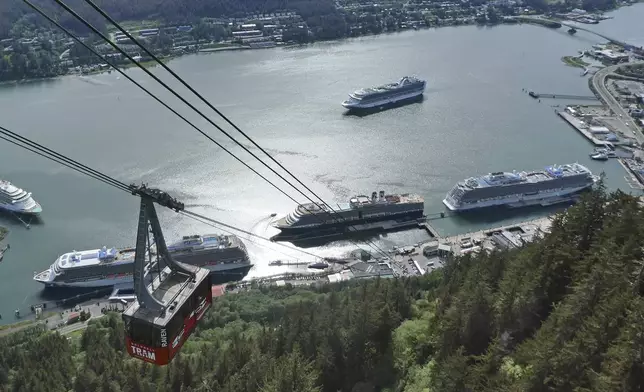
(287, 263)
(429, 229)
(562, 96)
(634, 177)
(527, 229)
(575, 123)
(424, 257)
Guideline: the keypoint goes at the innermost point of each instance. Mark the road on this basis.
(599, 83)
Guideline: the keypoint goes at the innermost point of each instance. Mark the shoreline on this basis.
(152, 63)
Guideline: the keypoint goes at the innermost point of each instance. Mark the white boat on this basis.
(600, 156)
(319, 265)
(542, 187)
(224, 255)
(407, 88)
(603, 151)
(16, 200)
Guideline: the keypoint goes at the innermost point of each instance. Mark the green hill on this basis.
(561, 314)
(16, 13)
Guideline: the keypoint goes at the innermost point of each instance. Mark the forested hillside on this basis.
(164, 10)
(562, 314)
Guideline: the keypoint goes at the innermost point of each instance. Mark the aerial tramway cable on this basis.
(59, 158)
(168, 307)
(52, 155)
(218, 225)
(331, 213)
(103, 58)
(201, 97)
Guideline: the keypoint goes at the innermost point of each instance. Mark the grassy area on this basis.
(146, 64)
(533, 20)
(216, 45)
(3, 232)
(16, 326)
(135, 25)
(574, 62)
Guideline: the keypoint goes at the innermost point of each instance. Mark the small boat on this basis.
(600, 156)
(610, 153)
(275, 263)
(319, 265)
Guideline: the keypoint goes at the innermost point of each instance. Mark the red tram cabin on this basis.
(157, 339)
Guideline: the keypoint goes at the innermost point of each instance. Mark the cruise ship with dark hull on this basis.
(553, 185)
(408, 88)
(316, 222)
(224, 255)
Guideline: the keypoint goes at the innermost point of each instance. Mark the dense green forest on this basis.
(11, 12)
(314, 12)
(561, 314)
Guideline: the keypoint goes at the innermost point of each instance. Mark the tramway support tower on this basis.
(171, 297)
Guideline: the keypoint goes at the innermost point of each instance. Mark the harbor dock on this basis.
(511, 236)
(429, 229)
(579, 126)
(425, 257)
(635, 170)
(562, 96)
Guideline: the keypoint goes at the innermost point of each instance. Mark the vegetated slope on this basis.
(562, 314)
(168, 11)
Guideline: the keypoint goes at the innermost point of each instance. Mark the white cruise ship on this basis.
(16, 200)
(224, 255)
(407, 88)
(552, 185)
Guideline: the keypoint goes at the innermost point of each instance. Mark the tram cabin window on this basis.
(176, 324)
(144, 333)
(190, 307)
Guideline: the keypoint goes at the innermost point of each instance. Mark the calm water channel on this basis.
(474, 119)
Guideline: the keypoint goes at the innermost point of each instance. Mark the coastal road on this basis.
(599, 83)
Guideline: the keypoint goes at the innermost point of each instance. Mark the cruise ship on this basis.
(16, 200)
(406, 88)
(362, 213)
(554, 184)
(224, 255)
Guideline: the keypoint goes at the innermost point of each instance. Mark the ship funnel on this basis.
(382, 195)
(374, 196)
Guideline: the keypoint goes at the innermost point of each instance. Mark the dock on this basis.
(634, 177)
(562, 96)
(288, 263)
(424, 257)
(508, 236)
(578, 125)
(429, 229)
